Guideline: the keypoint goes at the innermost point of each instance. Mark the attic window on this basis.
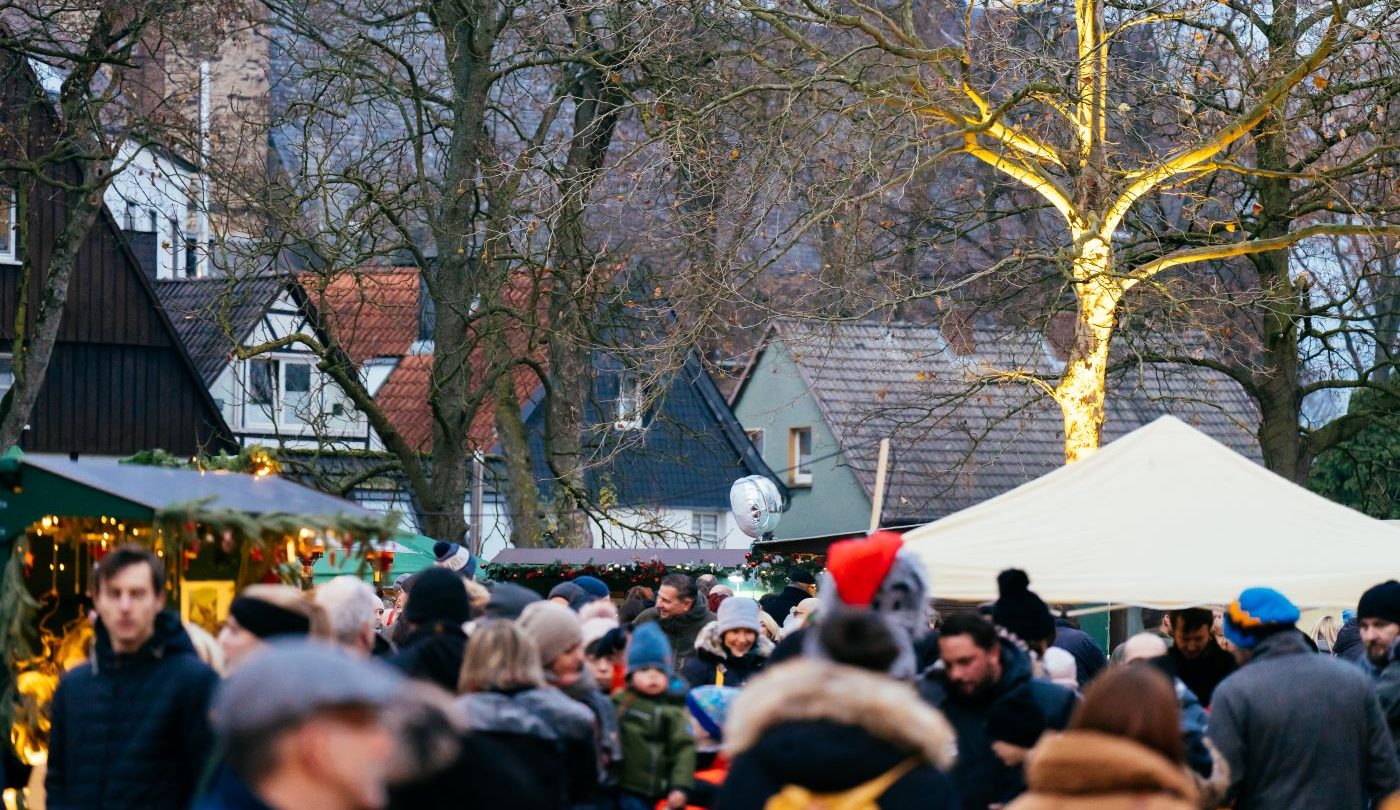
(800, 457)
(9, 225)
(629, 401)
(705, 527)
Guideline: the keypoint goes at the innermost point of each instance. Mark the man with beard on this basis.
(986, 690)
(680, 613)
(1378, 617)
(1201, 663)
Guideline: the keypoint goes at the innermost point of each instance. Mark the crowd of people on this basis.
(839, 691)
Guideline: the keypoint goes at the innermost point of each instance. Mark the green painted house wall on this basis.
(775, 400)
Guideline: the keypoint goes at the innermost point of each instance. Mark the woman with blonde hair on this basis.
(263, 612)
(505, 697)
(1324, 634)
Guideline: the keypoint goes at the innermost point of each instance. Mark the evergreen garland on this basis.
(770, 570)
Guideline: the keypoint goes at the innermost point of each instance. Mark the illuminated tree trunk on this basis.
(1081, 391)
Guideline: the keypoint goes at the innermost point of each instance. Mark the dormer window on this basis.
(629, 401)
(9, 226)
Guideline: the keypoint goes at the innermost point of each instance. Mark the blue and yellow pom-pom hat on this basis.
(1256, 610)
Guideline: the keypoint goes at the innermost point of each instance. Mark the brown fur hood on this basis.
(807, 689)
(1083, 763)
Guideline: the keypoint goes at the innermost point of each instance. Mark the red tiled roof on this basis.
(373, 312)
(404, 399)
(404, 396)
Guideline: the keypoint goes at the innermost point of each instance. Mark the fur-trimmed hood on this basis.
(711, 641)
(812, 690)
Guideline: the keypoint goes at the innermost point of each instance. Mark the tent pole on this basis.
(877, 503)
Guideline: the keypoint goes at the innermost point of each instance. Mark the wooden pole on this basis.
(877, 505)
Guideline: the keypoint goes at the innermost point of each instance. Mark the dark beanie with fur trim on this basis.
(1019, 610)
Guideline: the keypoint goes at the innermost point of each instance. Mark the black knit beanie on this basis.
(1019, 610)
(266, 620)
(1380, 602)
(437, 596)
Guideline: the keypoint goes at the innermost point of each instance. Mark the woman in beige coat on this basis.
(1122, 751)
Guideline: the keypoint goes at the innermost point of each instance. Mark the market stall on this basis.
(217, 531)
(1163, 517)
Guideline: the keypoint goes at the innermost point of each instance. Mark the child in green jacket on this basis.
(658, 751)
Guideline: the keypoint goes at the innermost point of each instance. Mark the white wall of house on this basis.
(282, 399)
(634, 528)
(153, 192)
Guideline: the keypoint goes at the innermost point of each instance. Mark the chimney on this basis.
(144, 246)
(958, 331)
(1060, 334)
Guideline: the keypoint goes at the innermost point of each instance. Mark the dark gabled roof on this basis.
(689, 452)
(958, 439)
(214, 315)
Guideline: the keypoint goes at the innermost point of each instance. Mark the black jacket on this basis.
(981, 777)
(680, 630)
(552, 733)
(494, 771)
(1204, 672)
(827, 728)
(711, 654)
(1089, 657)
(433, 654)
(780, 604)
(132, 731)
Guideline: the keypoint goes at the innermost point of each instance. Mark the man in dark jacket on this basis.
(1089, 657)
(1200, 662)
(130, 727)
(1378, 621)
(801, 585)
(985, 685)
(436, 643)
(1297, 728)
(680, 613)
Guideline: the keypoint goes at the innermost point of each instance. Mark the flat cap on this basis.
(291, 680)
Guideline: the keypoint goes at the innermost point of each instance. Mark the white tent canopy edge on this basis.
(1163, 517)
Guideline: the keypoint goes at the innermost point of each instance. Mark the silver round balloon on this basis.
(757, 505)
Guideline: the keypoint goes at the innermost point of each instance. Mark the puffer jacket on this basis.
(981, 776)
(658, 749)
(132, 731)
(545, 728)
(681, 630)
(712, 658)
(808, 728)
(1090, 770)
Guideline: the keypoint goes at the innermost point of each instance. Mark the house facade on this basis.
(817, 398)
(160, 202)
(119, 379)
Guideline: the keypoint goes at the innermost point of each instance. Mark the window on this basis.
(262, 391)
(281, 393)
(298, 406)
(9, 225)
(756, 438)
(705, 527)
(7, 373)
(800, 457)
(629, 401)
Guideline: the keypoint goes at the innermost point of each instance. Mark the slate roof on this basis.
(957, 442)
(214, 315)
(690, 451)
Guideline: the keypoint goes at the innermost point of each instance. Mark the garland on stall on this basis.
(273, 545)
(769, 570)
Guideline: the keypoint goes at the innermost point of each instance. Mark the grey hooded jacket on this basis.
(1300, 729)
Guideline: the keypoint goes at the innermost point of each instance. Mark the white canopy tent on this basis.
(1163, 517)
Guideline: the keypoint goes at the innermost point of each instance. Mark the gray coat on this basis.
(1301, 729)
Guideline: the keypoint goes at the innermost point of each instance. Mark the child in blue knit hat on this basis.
(658, 751)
